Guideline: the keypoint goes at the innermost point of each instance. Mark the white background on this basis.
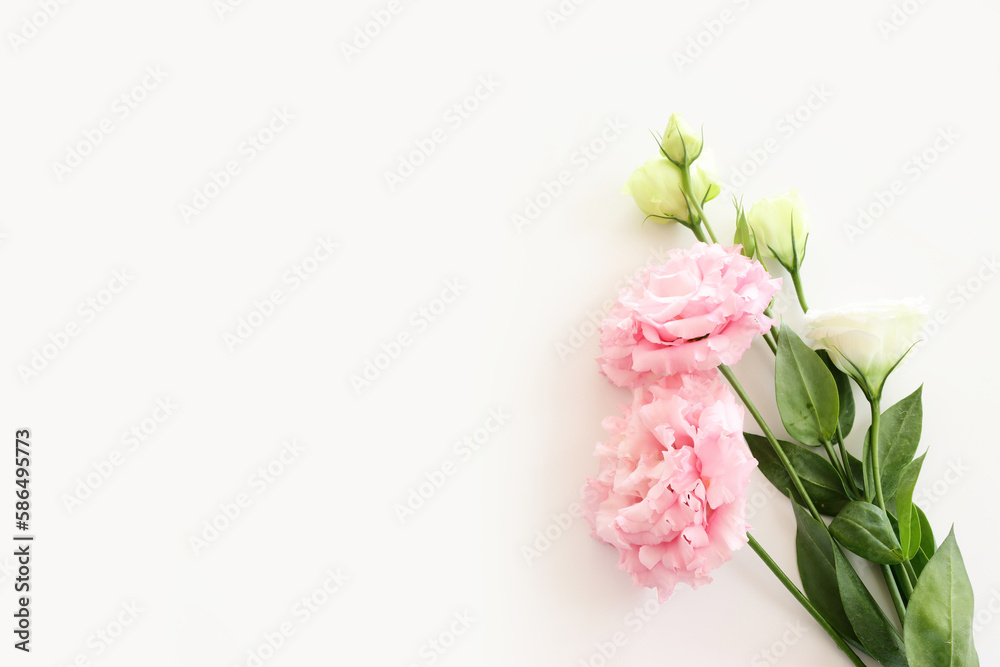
(883, 97)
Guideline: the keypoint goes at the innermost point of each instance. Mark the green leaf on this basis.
(939, 619)
(744, 232)
(864, 529)
(819, 478)
(814, 550)
(806, 391)
(845, 392)
(927, 544)
(909, 522)
(898, 438)
(874, 630)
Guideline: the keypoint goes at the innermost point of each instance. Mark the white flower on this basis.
(776, 222)
(680, 143)
(657, 187)
(868, 341)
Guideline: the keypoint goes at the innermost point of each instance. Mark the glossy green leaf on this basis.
(819, 478)
(864, 529)
(744, 232)
(806, 391)
(845, 392)
(814, 550)
(874, 630)
(927, 544)
(899, 436)
(939, 619)
(909, 522)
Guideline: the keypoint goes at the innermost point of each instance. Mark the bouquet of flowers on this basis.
(671, 491)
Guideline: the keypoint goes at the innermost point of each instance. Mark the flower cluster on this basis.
(671, 491)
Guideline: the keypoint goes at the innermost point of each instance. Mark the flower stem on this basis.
(905, 580)
(769, 339)
(910, 578)
(835, 461)
(708, 227)
(738, 388)
(803, 600)
(897, 600)
(693, 200)
(799, 291)
(774, 329)
(847, 461)
(876, 473)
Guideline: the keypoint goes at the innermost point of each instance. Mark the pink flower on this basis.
(702, 308)
(671, 491)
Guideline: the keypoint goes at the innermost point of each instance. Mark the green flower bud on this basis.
(781, 228)
(680, 144)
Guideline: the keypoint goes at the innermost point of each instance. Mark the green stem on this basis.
(799, 291)
(774, 329)
(907, 583)
(738, 388)
(897, 600)
(708, 227)
(911, 576)
(835, 461)
(693, 200)
(769, 339)
(876, 473)
(847, 461)
(798, 595)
